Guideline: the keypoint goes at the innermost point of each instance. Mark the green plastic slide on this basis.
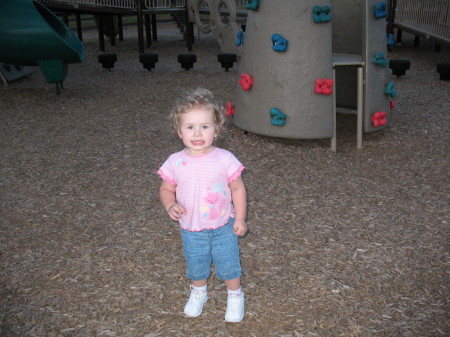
(31, 35)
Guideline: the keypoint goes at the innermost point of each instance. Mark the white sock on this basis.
(235, 292)
(203, 288)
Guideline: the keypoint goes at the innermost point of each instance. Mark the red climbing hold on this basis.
(229, 109)
(379, 118)
(246, 81)
(324, 86)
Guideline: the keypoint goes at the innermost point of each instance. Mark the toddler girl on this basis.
(202, 189)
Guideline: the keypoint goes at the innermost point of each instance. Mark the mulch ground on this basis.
(353, 243)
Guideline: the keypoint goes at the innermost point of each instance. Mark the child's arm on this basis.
(168, 199)
(239, 196)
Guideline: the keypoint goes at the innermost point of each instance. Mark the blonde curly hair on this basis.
(199, 97)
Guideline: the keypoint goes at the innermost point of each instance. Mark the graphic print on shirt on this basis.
(180, 161)
(215, 202)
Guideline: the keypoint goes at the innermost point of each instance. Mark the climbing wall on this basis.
(286, 69)
(285, 87)
(376, 71)
(364, 35)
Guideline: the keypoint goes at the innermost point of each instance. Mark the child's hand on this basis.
(176, 211)
(240, 227)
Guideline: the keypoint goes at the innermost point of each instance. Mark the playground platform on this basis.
(146, 20)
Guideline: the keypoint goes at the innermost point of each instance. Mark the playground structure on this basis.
(219, 17)
(145, 12)
(304, 60)
(428, 19)
(294, 71)
(31, 35)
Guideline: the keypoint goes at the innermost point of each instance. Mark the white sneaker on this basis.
(235, 308)
(194, 305)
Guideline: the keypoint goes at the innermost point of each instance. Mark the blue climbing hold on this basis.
(279, 44)
(380, 10)
(240, 38)
(390, 41)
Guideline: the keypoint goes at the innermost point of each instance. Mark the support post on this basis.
(101, 36)
(359, 111)
(120, 26)
(189, 29)
(140, 27)
(79, 31)
(333, 140)
(148, 31)
(154, 28)
(113, 30)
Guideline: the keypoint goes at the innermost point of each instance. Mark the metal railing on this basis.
(130, 4)
(431, 18)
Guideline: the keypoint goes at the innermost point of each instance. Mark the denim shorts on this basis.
(219, 246)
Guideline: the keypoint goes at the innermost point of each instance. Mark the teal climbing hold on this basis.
(389, 90)
(379, 59)
(277, 118)
(252, 5)
(322, 14)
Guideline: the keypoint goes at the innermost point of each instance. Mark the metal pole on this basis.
(333, 140)
(359, 111)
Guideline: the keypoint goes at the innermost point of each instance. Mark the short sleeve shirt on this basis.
(202, 186)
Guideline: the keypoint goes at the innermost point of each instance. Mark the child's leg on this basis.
(235, 301)
(233, 284)
(226, 258)
(197, 298)
(199, 284)
(198, 265)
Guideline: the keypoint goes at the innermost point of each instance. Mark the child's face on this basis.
(198, 130)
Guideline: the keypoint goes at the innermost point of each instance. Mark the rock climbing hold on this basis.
(399, 67)
(444, 71)
(148, 60)
(379, 59)
(389, 90)
(392, 104)
(229, 109)
(226, 60)
(246, 81)
(380, 10)
(279, 44)
(379, 118)
(252, 5)
(390, 42)
(321, 14)
(277, 118)
(107, 60)
(324, 86)
(187, 61)
(240, 38)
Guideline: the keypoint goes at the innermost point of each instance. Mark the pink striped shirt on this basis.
(202, 186)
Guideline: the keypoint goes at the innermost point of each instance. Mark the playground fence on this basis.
(130, 4)
(430, 18)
